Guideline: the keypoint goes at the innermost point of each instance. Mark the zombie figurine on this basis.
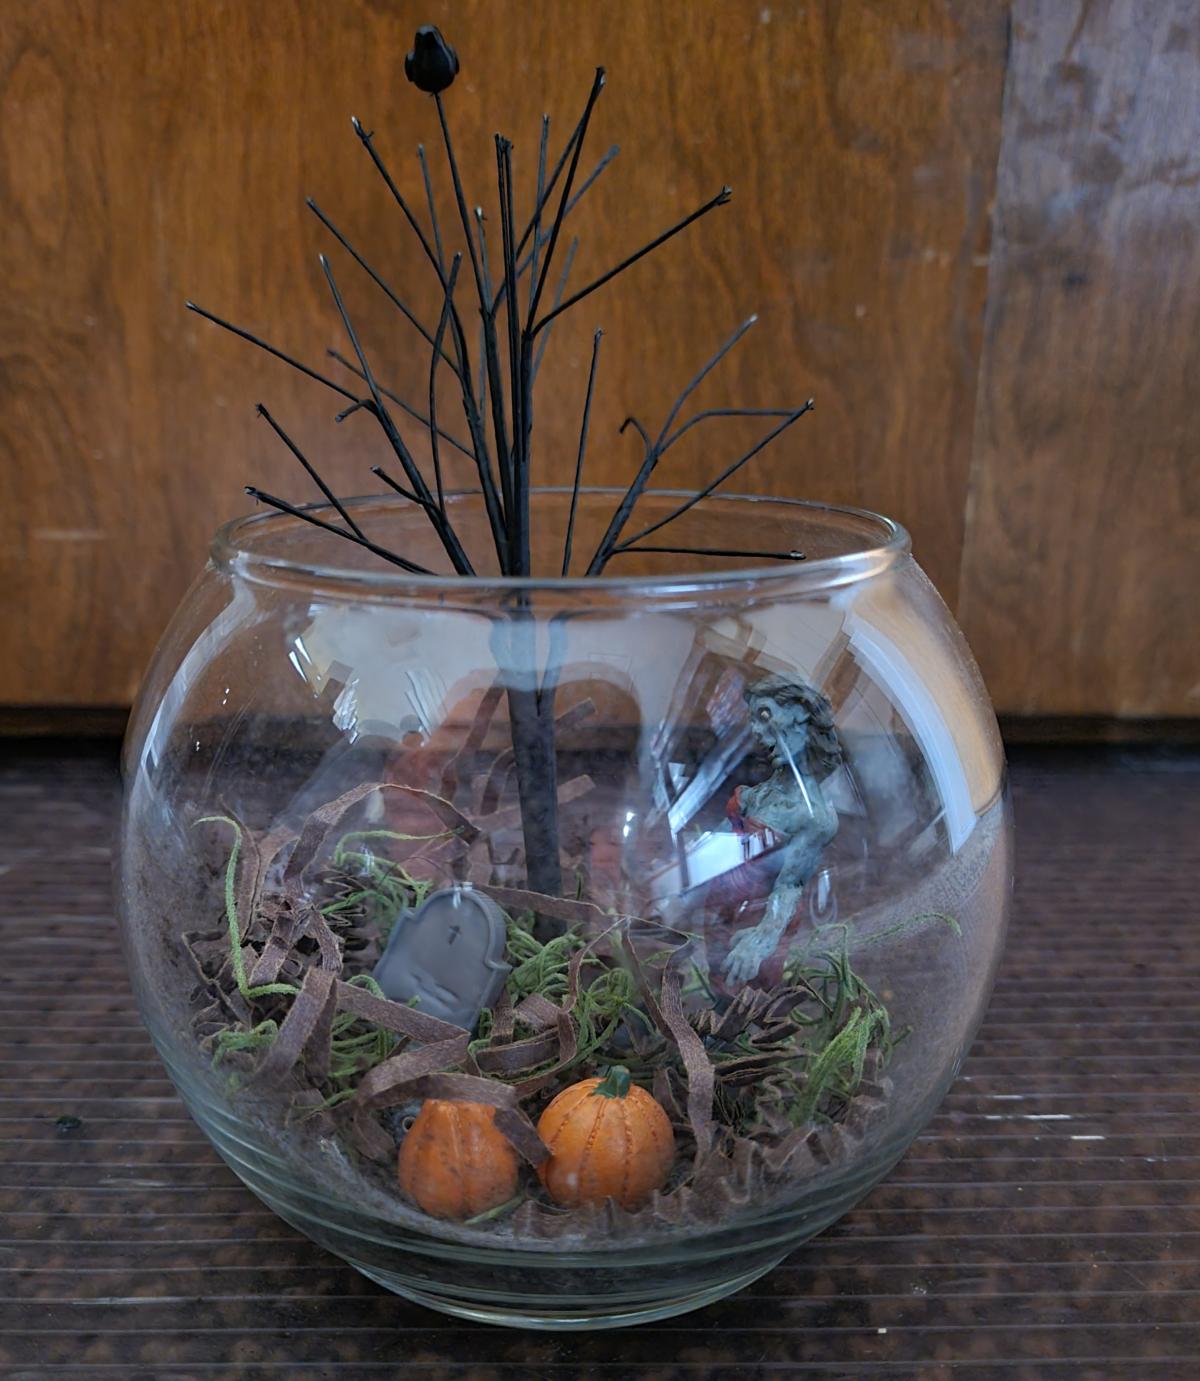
(788, 813)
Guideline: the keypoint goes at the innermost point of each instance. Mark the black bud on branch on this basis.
(433, 64)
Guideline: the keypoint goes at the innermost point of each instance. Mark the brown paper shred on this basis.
(308, 1020)
(649, 1000)
(511, 1119)
(395, 1016)
(385, 1084)
(517, 899)
(474, 738)
(319, 824)
(427, 1073)
(518, 1056)
(503, 1019)
(283, 936)
(664, 1091)
(317, 927)
(516, 1126)
(699, 1068)
(370, 1138)
(567, 1047)
(209, 955)
(537, 1011)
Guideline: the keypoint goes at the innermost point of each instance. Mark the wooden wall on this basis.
(1081, 566)
(970, 234)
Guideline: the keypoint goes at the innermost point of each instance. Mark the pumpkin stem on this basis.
(615, 1083)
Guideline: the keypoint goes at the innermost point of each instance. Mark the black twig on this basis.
(709, 413)
(719, 200)
(637, 426)
(284, 507)
(583, 435)
(435, 360)
(655, 450)
(543, 239)
(470, 408)
(486, 270)
(565, 197)
(558, 292)
(368, 405)
(398, 487)
(505, 191)
(272, 350)
(537, 215)
(445, 531)
(521, 406)
(375, 277)
(485, 267)
(792, 417)
(458, 194)
(311, 470)
(433, 215)
(367, 139)
(568, 149)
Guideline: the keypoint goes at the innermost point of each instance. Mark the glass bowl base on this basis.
(578, 1319)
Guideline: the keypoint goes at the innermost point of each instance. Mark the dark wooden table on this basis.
(1046, 1224)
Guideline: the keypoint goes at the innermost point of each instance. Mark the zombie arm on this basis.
(801, 856)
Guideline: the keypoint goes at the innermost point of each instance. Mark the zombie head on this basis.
(794, 723)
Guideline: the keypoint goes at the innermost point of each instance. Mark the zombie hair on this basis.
(824, 749)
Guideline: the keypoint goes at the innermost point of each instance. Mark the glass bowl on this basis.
(713, 859)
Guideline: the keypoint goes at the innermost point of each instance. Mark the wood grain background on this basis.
(969, 228)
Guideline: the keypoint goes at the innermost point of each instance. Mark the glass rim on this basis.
(232, 551)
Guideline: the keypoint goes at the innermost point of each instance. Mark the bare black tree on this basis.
(514, 331)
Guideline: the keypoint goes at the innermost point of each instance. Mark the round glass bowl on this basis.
(405, 858)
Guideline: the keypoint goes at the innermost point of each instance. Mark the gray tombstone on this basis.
(448, 954)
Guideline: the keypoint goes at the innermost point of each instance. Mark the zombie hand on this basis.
(752, 948)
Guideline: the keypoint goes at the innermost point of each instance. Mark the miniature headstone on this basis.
(448, 954)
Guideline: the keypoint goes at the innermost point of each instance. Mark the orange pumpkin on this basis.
(454, 1163)
(607, 1138)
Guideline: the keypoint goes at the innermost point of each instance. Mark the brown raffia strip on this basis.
(319, 824)
(700, 1076)
(503, 1019)
(518, 1056)
(653, 1010)
(537, 1011)
(316, 926)
(474, 739)
(226, 998)
(308, 1018)
(395, 1016)
(307, 919)
(283, 936)
(560, 908)
(319, 1046)
(427, 1073)
(379, 1086)
(540, 1012)
(664, 1091)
